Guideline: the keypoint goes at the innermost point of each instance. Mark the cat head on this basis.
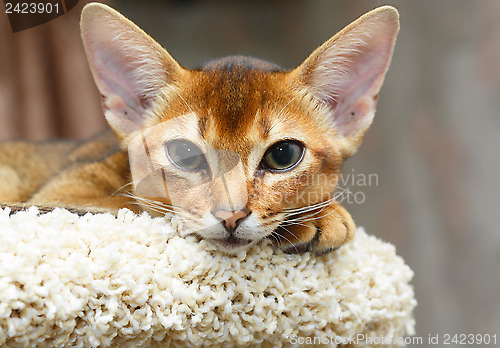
(238, 145)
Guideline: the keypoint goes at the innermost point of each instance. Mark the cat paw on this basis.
(332, 228)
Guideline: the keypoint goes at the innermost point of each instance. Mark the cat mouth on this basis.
(231, 242)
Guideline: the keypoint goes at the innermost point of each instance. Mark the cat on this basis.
(237, 150)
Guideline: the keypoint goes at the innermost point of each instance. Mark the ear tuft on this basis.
(346, 72)
(129, 67)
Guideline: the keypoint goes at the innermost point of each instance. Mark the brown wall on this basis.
(46, 89)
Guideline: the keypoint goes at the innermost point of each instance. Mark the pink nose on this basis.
(231, 219)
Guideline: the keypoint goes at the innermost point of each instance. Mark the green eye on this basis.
(185, 155)
(283, 155)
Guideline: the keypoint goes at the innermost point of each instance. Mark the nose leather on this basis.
(231, 219)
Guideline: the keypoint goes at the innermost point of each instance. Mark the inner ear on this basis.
(345, 74)
(130, 69)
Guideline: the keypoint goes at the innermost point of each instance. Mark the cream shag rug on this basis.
(129, 281)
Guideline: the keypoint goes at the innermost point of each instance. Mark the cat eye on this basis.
(186, 155)
(283, 156)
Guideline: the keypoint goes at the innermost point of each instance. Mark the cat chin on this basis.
(231, 245)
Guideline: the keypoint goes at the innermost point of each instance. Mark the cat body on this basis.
(237, 149)
(77, 174)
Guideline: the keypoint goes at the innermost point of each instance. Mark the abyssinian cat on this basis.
(237, 150)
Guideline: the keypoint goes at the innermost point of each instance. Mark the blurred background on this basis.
(434, 145)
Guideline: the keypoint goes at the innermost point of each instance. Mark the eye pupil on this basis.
(283, 156)
(283, 153)
(185, 155)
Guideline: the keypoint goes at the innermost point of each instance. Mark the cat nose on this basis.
(231, 219)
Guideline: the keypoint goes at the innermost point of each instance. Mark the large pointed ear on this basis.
(346, 72)
(130, 69)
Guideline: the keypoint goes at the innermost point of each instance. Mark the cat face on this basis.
(237, 147)
(244, 142)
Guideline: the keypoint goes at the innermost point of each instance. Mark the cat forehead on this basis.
(231, 95)
(239, 62)
(236, 103)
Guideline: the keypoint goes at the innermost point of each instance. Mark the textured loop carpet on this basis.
(100, 280)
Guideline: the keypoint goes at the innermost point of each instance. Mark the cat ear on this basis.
(345, 73)
(130, 69)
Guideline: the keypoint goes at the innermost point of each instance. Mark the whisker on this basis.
(160, 207)
(273, 236)
(314, 206)
(286, 223)
(319, 217)
(278, 236)
(299, 216)
(121, 188)
(284, 107)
